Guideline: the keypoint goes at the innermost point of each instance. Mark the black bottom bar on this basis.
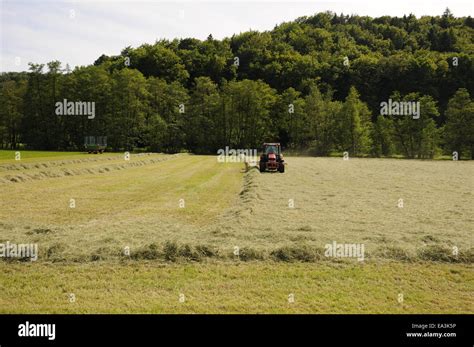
(442, 330)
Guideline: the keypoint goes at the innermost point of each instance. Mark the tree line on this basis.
(316, 83)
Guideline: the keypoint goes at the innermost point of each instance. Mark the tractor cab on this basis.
(271, 158)
(272, 148)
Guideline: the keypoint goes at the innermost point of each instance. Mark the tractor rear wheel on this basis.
(262, 167)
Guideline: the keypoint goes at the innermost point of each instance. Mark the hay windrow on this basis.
(60, 163)
(63, 172)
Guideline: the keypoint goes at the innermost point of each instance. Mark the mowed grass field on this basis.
(224, 287)
(138, 235)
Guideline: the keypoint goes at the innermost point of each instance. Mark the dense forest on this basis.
(314, 84)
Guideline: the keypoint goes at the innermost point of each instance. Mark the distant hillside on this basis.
(315, 83)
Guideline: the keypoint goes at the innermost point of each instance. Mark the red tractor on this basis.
(271, 158)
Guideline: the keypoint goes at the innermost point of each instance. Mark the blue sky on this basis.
(78, 32)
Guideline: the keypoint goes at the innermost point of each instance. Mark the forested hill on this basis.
(316, 82)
